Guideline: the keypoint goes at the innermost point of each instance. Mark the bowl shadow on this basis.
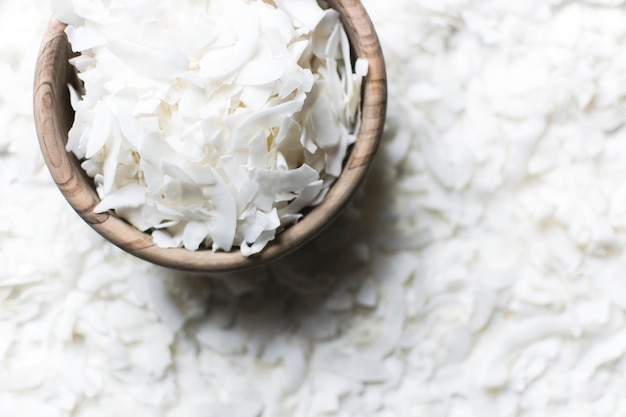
(309, 293)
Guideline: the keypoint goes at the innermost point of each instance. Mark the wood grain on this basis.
(54, 115)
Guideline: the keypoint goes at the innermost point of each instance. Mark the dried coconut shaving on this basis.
(211, 123)
(479, 273)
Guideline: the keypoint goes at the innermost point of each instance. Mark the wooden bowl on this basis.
(54, 117)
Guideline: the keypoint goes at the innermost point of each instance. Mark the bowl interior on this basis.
(54, 116)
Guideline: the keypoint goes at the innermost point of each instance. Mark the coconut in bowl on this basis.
(215, 139)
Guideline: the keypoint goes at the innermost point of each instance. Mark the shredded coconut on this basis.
(211, 123)
(479, 272)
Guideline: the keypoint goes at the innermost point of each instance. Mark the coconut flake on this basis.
(234, 409)
(150, 61)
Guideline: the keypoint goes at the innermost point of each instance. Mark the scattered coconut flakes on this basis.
(208, 141)
(514, 273)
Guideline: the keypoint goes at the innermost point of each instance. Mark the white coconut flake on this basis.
(238, 409)
(303, 11)
(361, 67)
(22, 379)
(128, 196)
(495, 372)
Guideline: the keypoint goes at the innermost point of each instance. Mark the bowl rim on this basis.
(53, 118)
